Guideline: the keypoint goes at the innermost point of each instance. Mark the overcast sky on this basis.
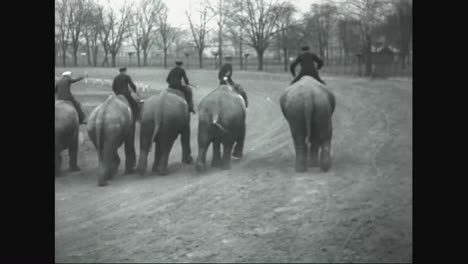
(177, 8)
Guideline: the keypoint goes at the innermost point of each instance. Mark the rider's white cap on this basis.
(67, 73)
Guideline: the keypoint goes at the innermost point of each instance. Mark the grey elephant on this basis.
(308, 106)
(164, 117)
(222, 115)
(110, 125)
(66, 134)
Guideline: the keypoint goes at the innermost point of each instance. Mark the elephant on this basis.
(110, 125)
(308, 107)
(222, 115)
(164, 116)
(66, 134)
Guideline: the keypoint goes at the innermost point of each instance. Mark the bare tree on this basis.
(150, 10)
(259, 22)
(284, 24)
(320, 20)
(199, 31)
(167, 33)
(219, 10)
(370, 13)
(115, 30)
(62, 28)
(76, 22)
(91, 31)
(136, 32)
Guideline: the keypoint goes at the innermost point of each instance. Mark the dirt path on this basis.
(260, 210)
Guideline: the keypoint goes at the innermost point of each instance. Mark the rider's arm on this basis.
(294, 64)
(130, 82)
(185, 77)
(319, 61)
(77, 79)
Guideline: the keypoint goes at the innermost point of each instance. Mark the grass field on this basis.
(260, 210)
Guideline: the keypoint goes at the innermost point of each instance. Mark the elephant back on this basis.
(307, 88)
(65, 113)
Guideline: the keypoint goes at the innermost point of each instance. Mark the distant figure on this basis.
(120, 87)
(226, 71)
(62, 89)
(306, 60)
(174, 79)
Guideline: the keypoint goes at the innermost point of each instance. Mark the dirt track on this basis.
(260, 210)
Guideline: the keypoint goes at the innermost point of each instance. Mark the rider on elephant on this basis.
(120, 87)
(174, 79)
(226, 71)
(307, 60)
(62, 89)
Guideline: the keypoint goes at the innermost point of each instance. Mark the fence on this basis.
(331, 67)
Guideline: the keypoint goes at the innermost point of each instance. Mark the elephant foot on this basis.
(301, 168)
(226, 166)
(216, 163)
(102, 183)
(163, 172)
(200, 167)
(141, 168)
(187, 160)
(237, 154)
(325, 162)
(314, 162)
(74, 168)
(129, 171)
(155, 168)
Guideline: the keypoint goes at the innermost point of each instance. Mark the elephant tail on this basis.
(308, 108)
(158, 116)
(217, 124)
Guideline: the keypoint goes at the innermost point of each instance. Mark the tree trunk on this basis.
(64, 56)
(88, 53)
(75, 55)
(241, 55)
(95, 53)
(145, 57)
(260, 59)
(368, 55)
(200, 58)
(138, 58)
(220, 45)
(285, 54)
(165, 57)
(113, 54)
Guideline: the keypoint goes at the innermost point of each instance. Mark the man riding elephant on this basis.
(164, 117)
(66, 134)
(308, 107)
(62, 90)
(226, 71)
(174, 79)
(307, 60)
(222, 116)
(120, 87)
(110, 126)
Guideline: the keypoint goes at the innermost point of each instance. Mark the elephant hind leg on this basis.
(227, 150)
(146, 132)
(73, 153)
(325, 146)
(298, 134)
(130, 154)
(239, 147)
(109, 163)
(216, 159)
(185, 142)
(166, 146)
(204, 142)
(157, 154)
